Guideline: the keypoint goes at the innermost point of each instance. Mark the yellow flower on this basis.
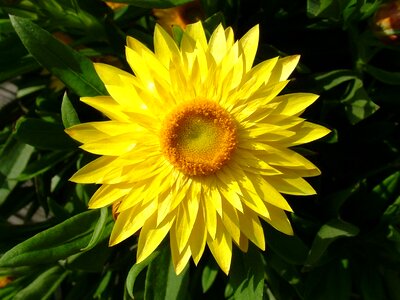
(197, 144)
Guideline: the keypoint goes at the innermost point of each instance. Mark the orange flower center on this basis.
(199, 137)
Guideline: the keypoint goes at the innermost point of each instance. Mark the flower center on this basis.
(199, 137)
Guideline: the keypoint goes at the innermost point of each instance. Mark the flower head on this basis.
(197, 145)
(386, 22)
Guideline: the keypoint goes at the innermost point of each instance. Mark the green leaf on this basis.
(392, 78)
(44, 285)
(328, 233)
(75, 70)
(53, 244)
(21, 66)
(36, 132)
(289, 248)
(13, 159)
(154, 3)
(358, 105)
(135, 271)
(247, 275)
(161, 280)
(322, 8)
(68, 113)
(370, 280)
(98, 229)
(209, 275)
(330, 282)
(43, 164)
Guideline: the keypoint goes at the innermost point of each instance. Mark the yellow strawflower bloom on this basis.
(197, 145)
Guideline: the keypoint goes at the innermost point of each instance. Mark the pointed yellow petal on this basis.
(292, 186)
(294, 104)
(250, 225)
(284, 68)
(221, 248)
(111, 75)
(198, 237)
(196, 31)
(179, 258)
(308, 132)
(112, 146)
(94, 171)
(164, 46)
(279, 220)
(243, 243)
(130, 221)
(108, 194)
(210, 216)
(268, 193)
(151, 236)
(107, 106)
(249, 45)
(231, 221)
(217, 44)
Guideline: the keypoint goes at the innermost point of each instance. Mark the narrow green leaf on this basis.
(18, 67)
(68, 113)
(36, 132)
(98, 229)
(392, 78)
(44, 285)
(53, 244)
(14, 157)
(154, 3)
(43, 164)
(161, 280)
(328, 233)
(209, 275)
(247, 275)
(75, 70)
(135, 271)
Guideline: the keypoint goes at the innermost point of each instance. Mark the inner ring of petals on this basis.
(198, 137)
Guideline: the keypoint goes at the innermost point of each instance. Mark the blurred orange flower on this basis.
(180, 15)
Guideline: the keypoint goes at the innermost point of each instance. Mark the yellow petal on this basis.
(279, 220)
(107, 194)
(196, 31)
(164, 46)
(210, 216)
(250, 225)
(221, 248)
(111, 75)
(112, 146)
(229, 189)
(243, 243)
(94, 131)
(249, 45)
(294, 104)
(179, 258)
(130, 221)
(231, 221)
(107, 106)
(292, 186)
(151, 236)
(268, 193)
(198, 237)
(94, 171)
(284, 68)
(217, 44)
(305, 133)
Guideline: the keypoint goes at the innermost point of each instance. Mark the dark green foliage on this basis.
(347, 237)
